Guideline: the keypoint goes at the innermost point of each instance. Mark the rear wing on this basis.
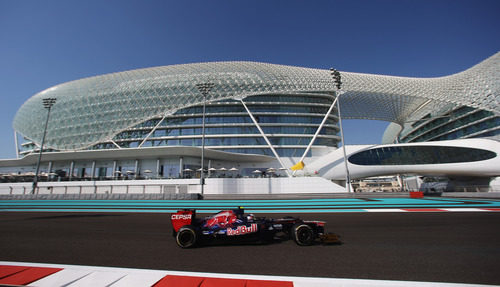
(182, 218)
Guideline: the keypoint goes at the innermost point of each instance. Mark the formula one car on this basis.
(234, 225)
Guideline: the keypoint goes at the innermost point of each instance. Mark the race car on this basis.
(235, 225)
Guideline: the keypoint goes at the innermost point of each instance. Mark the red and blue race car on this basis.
(235, 225)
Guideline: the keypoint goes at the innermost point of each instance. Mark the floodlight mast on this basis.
(47, 103)
(337, 79)
(204, 89)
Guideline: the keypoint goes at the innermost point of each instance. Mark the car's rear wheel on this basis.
(186, 237)
(303, 234)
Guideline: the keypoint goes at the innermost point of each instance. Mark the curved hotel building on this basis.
(260, 119)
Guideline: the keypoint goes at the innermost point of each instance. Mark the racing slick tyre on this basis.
(186, 237)
(303, 234)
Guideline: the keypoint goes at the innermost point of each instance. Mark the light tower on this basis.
(47, 103)
(337, 79)
(204, 89)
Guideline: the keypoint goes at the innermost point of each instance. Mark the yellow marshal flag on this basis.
(300, 165)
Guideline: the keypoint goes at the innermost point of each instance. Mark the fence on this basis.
(102, 190)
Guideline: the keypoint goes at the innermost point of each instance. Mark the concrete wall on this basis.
(271, 185)
(177, 186)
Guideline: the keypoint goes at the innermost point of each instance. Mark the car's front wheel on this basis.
(186, 237)
(303, 234)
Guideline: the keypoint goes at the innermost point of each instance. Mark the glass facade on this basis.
(413, 155)
(289, 122)
(463, 122)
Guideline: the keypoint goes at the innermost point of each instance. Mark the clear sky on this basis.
(45, 43)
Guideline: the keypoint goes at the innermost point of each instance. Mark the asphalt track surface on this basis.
(457, 247)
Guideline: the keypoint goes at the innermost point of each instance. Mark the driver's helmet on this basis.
(250, 217)
(239, 212)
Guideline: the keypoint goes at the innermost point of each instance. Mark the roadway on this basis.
(458, 247)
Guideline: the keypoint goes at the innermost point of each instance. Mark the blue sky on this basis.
(44, 43)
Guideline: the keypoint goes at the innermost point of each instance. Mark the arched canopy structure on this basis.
(93, 110)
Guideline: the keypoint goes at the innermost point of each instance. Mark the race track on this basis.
(422, 246)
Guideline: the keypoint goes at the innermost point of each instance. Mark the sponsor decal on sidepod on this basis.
(181, 216)
(240, 230)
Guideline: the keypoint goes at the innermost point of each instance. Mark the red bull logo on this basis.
(241, 230)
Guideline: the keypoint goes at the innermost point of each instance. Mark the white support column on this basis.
(16, 143)
(265, 138)
(400, 182)
(92, 172)
(158, 168)
(113, 142)
(49, 168)
(181, 167)
(209, 166)
(49, 171)
(348, 177)
(136, 168)
(71, 169)
(113, 172)
(317, 131)
(152, 131)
